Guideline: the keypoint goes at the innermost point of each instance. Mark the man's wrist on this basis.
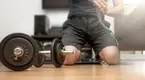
(107, 11)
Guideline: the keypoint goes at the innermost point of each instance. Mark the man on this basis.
(83, 26)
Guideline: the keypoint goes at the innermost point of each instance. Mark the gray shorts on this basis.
(79, 30)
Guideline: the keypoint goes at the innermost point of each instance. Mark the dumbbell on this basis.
(18, 52)
(56, 53)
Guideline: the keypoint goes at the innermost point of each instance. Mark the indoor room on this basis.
(72, 39)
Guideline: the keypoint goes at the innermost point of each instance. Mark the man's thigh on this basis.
(73, 33)
(100, 37)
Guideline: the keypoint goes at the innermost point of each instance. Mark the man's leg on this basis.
(107, 49)
(71, 58)
(110, 54)
(103, 42)
(73, 39)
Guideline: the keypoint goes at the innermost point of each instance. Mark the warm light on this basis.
(130, 5)
(132, 2)
(144, 52)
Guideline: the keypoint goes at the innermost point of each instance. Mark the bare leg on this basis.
(71, 58)
(110, 54)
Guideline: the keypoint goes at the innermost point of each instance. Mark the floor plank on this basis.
(127, 70)
(134, 71)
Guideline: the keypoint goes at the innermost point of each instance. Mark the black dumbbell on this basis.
(19, 52)
(56, 53)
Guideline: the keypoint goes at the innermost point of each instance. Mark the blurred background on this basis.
(20, 16)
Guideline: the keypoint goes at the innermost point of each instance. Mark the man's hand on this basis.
(101, 5)
(116, 10)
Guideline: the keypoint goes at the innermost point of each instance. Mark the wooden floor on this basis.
(127, 70)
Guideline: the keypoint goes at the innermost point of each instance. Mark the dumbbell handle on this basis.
(48, 52)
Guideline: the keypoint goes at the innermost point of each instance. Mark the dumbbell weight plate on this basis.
(28, 47)
(39, 61)
(40, 58)
(56, 55)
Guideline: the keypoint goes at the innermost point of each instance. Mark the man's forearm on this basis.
(115, 11)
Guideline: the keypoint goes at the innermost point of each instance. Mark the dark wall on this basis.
(130, 30)
(48, 4)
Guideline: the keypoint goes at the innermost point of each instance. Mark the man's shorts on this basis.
(79, 30)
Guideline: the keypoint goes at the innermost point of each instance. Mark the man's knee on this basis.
(110, 54)
(70, 59)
